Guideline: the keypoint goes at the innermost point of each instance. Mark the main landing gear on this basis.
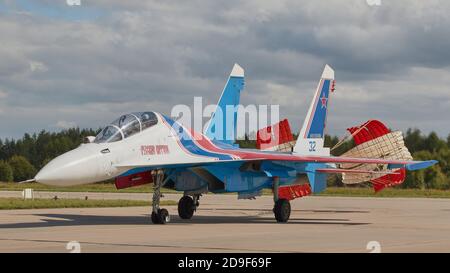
(282, 210)
(159, 216)
(187, 206)
(282, 207)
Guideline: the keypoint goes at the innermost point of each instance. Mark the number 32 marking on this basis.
(312, 146)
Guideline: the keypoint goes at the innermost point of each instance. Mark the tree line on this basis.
(21, 159)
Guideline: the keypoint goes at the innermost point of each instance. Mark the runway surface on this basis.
(225, 224)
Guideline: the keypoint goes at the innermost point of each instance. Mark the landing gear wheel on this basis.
(186, 207)
(159, 216)
(282, 210)
(155, 218)
(163, 216)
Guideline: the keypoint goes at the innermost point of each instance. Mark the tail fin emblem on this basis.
(324, 101)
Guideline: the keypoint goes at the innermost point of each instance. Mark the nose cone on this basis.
(86, 164)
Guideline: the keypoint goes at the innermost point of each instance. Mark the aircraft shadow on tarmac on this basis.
(293, 210)
(60, 220)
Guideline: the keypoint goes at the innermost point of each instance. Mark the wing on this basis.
(258, 156)
(179, 164)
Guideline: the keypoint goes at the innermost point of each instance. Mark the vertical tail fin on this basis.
(222, 125)
(310, 139)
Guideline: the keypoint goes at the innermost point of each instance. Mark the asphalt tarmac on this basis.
(225, 224)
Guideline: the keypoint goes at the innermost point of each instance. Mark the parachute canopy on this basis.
(374, 140)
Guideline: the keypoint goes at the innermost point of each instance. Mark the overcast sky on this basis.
(64, 66)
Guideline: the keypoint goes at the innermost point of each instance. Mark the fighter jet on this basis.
(149, 147)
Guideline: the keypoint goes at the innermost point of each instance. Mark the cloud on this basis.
(65, 124)
(38, 67)
(3, 94)
(391, 61)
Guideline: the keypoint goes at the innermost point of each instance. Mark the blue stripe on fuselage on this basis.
(189, 144)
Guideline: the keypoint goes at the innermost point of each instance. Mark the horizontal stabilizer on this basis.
(420, 165)
(332, 170)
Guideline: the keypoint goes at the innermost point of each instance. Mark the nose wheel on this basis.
(159, 216)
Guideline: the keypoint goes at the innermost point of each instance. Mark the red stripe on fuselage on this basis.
(206, 143)
(178, 140)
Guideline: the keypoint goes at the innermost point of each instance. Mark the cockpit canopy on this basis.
(126, 126)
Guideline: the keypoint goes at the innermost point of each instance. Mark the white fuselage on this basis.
(95, 162)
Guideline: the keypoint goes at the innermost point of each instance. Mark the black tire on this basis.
(155, 218)
(163, 216)
(186, 207)
(282, 210)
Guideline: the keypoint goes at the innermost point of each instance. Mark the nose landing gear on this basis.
(159, 216)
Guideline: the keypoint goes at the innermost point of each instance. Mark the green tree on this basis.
(22, 168)
(417, 179)
(414, 180)
(414, 140)
(433, 143)
(443, 156)
(435, 178)
(6, 172)
(45, 162)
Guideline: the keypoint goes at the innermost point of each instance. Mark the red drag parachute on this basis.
(370, 131)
